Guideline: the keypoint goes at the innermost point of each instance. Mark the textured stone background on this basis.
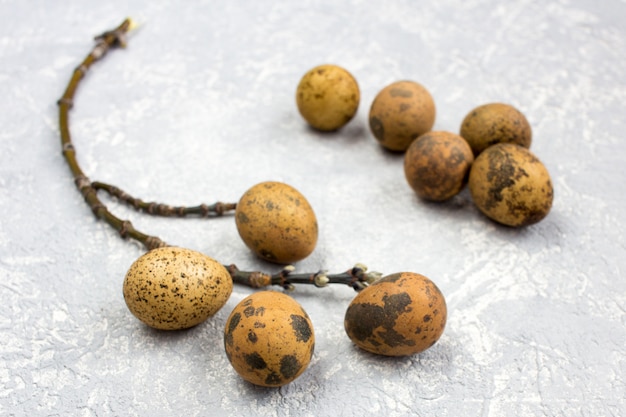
(201, 106)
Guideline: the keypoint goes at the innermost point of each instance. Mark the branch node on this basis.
(154, 242)
(82, 68)
(95, 208)
(125, 228)
(82, 183)
(259, 279)
(118, 36)
(65, 101)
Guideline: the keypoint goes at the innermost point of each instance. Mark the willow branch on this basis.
(356, 277)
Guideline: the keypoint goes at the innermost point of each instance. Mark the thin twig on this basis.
(105, 42)
(356, 277)
(160, 209)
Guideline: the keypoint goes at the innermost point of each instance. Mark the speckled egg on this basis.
(494, 123)
(400, 113)
(510, 185)
(437, 164)
(276, 222)
(400, 314)
(328, 97)
(269, 339)
(175, 288)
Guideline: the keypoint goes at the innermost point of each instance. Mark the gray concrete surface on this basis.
(200, 106)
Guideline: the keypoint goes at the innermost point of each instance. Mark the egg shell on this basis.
(269, 339)
(174, 288)
(328, 97)
(494, 123)
(401, 314)
(510, 185)
(437, 165)
(400, 113)
(277, 222)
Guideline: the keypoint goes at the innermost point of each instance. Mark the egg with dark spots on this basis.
(277, 222)
(400, 314)
(174, 288)
(328, 97)
(494, 123)
(400, 113)
(269, 339)
(510, 185)
(437, 165)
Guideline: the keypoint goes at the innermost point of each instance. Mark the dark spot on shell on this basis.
(269, 206)
(377, 127)
(248, 311)
(273, 379)
(289, 366)
(301, 327)
(501, 175)
(259, 325)
(363, 320)
(242, 217)
(255, 360)
(252, 337)
(427, 318)
(232, 325)
(456, 158)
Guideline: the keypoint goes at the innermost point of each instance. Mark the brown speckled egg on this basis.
(494, 123)
(400, 314)
(510, 185)
(400, 113)
(175, 288)
(437, 164)
(269, 339)
(328, 97)
(276, 222)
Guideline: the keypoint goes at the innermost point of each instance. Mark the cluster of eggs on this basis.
(491, 152)
(268, 337)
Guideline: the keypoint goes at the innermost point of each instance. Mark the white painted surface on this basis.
(201, 106)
